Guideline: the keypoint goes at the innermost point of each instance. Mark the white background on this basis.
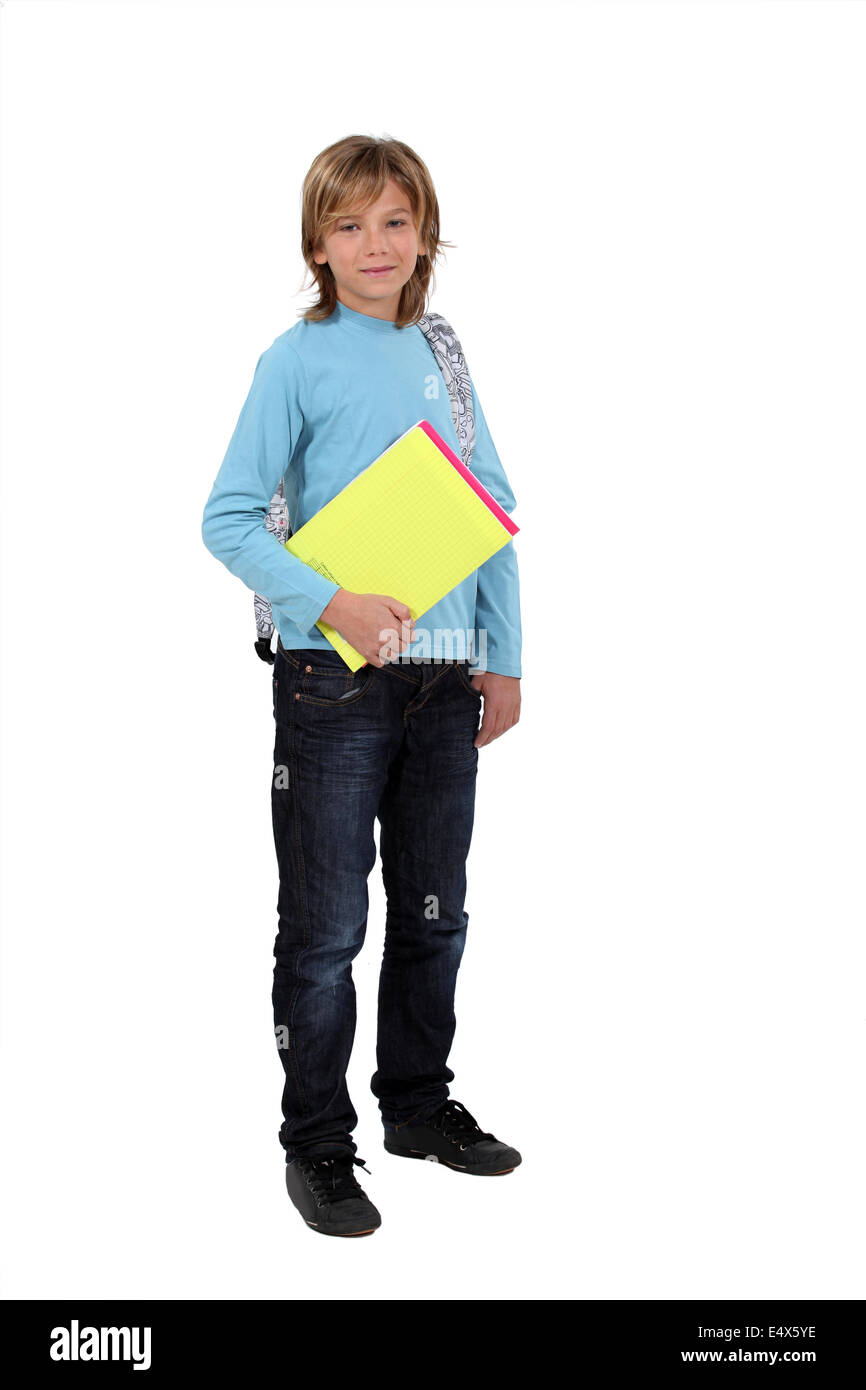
(660, 285)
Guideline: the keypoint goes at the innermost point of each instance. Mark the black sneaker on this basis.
(451, 1136)
(326, 1193)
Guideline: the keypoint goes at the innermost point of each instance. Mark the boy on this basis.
(397, 740)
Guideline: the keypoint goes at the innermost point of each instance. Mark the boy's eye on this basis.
(347, 226)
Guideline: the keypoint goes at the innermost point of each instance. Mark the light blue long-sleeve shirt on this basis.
(327, 399)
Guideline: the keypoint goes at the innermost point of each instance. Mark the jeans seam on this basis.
(437, 677)
(302, 895)
(404, 676)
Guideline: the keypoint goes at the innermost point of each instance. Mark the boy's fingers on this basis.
(494, 725)
(407, 627)
(400, 610)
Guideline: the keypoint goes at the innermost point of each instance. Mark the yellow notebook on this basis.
(413, 525)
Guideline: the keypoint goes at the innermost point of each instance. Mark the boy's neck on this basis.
(371, 309)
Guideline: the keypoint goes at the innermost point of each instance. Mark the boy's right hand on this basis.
(377, 626)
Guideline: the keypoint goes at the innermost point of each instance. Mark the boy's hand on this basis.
(501, 704)
(376, 625)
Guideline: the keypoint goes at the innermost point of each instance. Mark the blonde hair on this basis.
(349, 176)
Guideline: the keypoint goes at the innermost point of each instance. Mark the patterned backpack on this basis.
(445, 346)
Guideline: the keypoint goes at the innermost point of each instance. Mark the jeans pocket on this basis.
(323, 678)
(464, 671)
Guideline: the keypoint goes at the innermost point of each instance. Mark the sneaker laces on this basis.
(455, 1122)
(333, 1179)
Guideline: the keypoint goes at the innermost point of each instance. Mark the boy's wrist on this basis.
(335, 607)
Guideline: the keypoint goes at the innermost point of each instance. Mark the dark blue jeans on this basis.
(394, 742)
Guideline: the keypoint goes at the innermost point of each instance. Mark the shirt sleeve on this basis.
(259, 452)
(497, 605)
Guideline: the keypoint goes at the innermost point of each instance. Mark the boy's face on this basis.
(382, 236)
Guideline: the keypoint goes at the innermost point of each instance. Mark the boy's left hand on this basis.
(501, 704)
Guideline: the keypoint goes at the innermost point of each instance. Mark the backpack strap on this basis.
(277, 522)
(445, 346)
